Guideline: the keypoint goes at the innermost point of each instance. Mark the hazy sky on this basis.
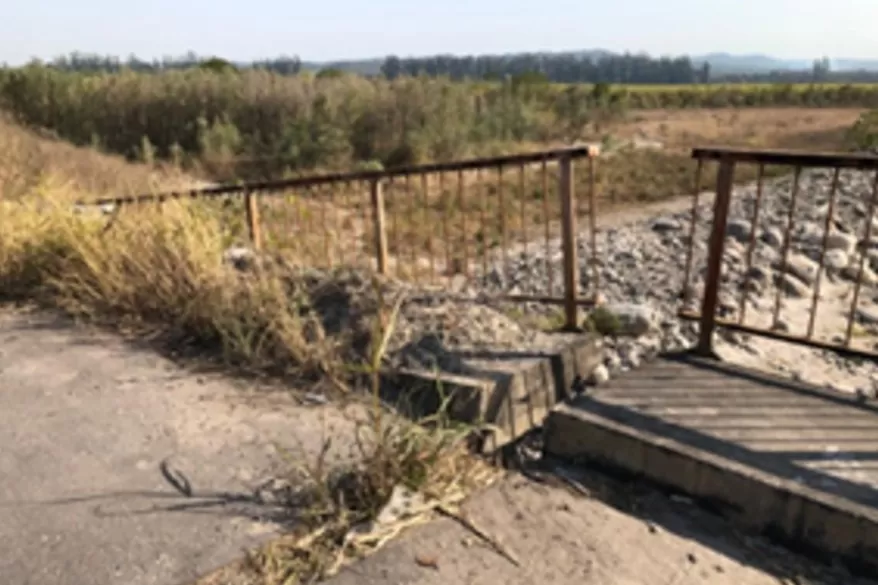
(324, 30)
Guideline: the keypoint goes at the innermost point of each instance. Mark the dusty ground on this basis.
(614, 536)
(87, 422)
(801, 128)
(85, 426)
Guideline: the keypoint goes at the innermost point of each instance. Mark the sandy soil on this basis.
(612, 536)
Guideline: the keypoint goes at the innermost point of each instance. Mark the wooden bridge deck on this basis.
(788, 458)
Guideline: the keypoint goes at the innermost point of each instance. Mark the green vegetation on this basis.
(217, 115)
(864, 134)
(602, 320)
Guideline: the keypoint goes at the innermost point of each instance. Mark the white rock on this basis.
(867, 315)
(867, 276)
(799, 266)
(240, 257)
(792, 286)
(836, 260)
(599, 375)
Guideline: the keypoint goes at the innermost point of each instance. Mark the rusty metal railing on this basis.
(454, 226)
(798, 241)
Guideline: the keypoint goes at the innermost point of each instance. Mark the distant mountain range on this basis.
(728, 63)
(720, 63)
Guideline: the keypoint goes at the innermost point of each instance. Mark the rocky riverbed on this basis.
(640, 270)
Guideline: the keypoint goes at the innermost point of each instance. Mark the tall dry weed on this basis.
(156, 269)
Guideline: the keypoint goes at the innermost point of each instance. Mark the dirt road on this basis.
(89, 429)
(614, 537)
(119, 467)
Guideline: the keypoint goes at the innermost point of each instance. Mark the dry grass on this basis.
(158, 272)
(422, 470)
(27, 160)
(679, 130)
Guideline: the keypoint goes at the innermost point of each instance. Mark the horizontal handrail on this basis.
(583, 151)
(833, 160)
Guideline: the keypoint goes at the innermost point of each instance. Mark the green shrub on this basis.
(864, 133)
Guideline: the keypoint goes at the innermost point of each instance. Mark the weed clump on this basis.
(603, 321)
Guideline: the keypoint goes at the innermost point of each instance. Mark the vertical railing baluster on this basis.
(724, 182)
(568, 239)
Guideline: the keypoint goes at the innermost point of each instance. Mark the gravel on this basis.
(640, 266)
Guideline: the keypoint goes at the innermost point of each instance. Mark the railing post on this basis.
(724, 181)
(253, 226)
(377, 196)
(568, 243)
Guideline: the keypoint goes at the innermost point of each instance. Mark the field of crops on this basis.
(712, 87)
(642, 96)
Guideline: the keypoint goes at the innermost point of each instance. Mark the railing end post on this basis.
(707, 324)
(377, 199)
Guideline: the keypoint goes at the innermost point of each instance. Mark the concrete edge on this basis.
(816, 523)
(509, 404)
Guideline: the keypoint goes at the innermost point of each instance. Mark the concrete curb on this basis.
(820, 524)
(510, 396)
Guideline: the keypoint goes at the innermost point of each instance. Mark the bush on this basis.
(307, 121)
(864, 133)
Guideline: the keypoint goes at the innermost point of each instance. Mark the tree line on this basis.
(92, 63)
(564, 68)
(594, 67)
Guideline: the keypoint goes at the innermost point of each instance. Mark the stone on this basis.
(758, 274)
(781, 326)
(836, 260)
(867, 315)
(792, 286)
(599, 375)
(738, 229)
(727, 305)
(664, 225)
(799, 266)
(837, 240)
(240, 257)
(613, 361)
(772, 237)
(852, 273)
(631, 357)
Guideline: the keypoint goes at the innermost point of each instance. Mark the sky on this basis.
(341, 29)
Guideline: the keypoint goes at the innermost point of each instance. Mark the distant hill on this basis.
(362, 67)
(728, 63)
(720, 63)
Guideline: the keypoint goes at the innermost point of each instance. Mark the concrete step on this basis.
(509, 392)
(795, 462)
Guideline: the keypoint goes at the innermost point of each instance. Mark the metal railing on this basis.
(813, 263)
(442, 225)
